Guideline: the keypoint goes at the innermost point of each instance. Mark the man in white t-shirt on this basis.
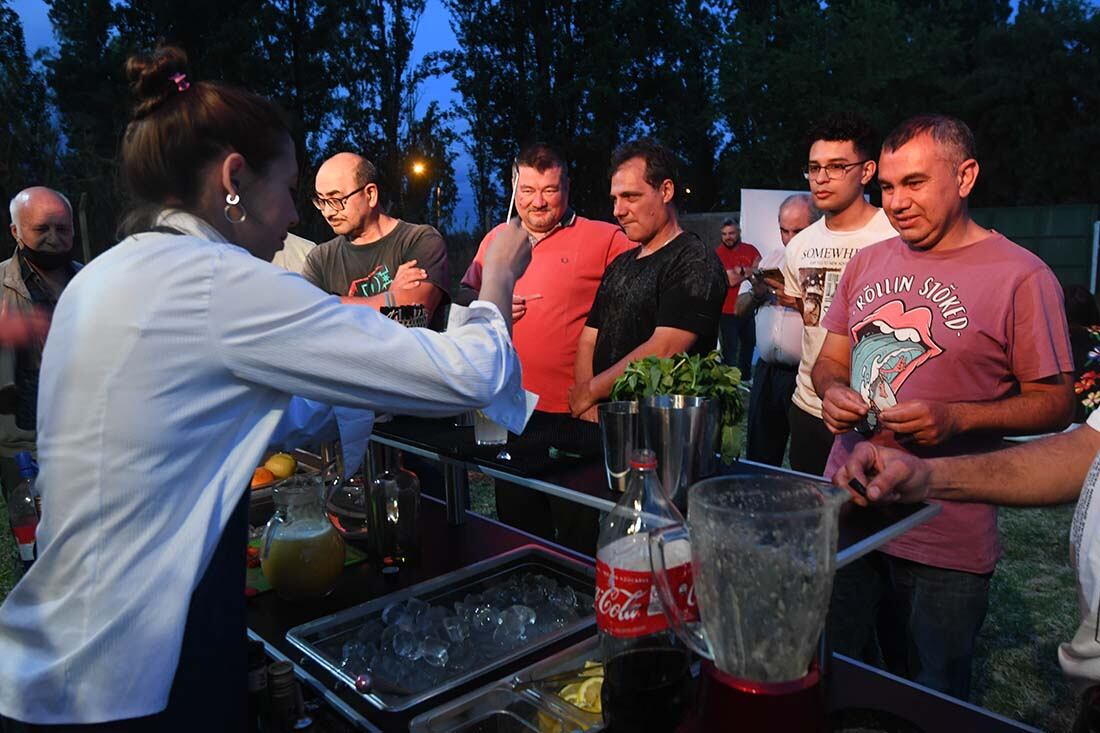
(778, 338)
(841, 164)
(1054, 470)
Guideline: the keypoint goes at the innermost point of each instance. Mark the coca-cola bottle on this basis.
(24, 507)
(646, 667)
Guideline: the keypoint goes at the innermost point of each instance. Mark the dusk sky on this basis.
(434, 34)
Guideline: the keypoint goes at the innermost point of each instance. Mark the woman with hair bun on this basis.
(174, 360)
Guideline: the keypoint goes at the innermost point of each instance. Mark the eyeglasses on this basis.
(337, 203)
(832, 170)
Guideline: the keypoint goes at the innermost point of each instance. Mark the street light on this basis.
(420, 168)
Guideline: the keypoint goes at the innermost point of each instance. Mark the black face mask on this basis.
(48, 261)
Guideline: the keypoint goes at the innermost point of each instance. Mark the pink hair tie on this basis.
(180, 79)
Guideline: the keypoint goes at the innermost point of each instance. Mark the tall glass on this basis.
(487, 432)
(619, 432)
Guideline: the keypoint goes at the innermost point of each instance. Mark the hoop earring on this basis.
(231, 200)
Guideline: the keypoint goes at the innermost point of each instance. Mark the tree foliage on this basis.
(731, 85)
(28, 140)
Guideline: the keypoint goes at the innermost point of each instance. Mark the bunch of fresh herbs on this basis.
(692, 376)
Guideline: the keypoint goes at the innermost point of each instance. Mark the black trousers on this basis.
(811, 442)
(564, 522)
(768, 423)
(210, 691)
(738, 341)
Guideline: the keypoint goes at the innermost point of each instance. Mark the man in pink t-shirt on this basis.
(940, 342)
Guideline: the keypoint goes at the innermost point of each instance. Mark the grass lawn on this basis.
(1032, 608)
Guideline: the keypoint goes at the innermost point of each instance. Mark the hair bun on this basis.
(150, 77)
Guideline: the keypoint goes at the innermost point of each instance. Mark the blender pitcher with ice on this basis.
(763, 553)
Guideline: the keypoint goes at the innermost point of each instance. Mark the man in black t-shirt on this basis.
(657, 300)
(375, 259)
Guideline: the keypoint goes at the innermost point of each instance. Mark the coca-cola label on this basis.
(628, 605)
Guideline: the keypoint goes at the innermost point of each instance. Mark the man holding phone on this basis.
(778, 337)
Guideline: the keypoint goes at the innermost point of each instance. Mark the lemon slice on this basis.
(592, 669)
(571, 693)
(590, 695)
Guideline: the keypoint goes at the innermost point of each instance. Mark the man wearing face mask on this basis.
(42, 226)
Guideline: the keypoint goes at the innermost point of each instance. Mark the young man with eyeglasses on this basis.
(941, 341)
(374, 259)
(841, 164)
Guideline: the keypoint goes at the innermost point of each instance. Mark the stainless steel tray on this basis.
(502, 706)
(324, 639)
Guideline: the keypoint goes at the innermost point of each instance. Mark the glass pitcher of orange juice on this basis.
(303, 554)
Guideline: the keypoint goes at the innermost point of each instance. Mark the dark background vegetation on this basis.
(731, 85)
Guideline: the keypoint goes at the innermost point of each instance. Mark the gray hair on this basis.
(731, 223)
(19, 200)
(805, 199)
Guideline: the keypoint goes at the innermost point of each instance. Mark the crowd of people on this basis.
(896, 346)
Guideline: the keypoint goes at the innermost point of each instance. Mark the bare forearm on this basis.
(827, 372)
(1023, 414)
(497, 288)
(744, 305)
(603, 382)
(1042, 472)
(582, 366)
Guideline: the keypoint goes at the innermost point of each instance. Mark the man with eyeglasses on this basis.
(841, 164)
(374, 259)
(940, 341)
(551, 302)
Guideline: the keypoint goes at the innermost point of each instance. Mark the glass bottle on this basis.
(303, 554)
(23, 508)
(393, 512)
(646, 667)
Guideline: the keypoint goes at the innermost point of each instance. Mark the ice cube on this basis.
(424, 624)
(473, 599)
(513, 622)
(404, 644)
(457, 629)
(526, 613)
(385, 642)
(507, 637)
(391, 612)
(438, 613)
(371, 631)
(415, 607)
(486, 618)
(406, 622)
(464, 611)
(563, 595)
(533, 595)
(354, 657)
(434, 652)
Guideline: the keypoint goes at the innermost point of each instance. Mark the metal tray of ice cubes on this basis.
(324, 639)
(500, 706)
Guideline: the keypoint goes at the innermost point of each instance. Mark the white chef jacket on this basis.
(778, 328)
(170, 363)
(1080, 657)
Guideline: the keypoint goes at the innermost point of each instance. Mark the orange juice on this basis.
(305, 559)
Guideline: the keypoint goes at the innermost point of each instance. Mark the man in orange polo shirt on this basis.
(549, 309)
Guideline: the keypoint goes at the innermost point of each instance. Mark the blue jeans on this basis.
(917, 621)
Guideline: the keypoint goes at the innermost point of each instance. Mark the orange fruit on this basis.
(262, 476)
